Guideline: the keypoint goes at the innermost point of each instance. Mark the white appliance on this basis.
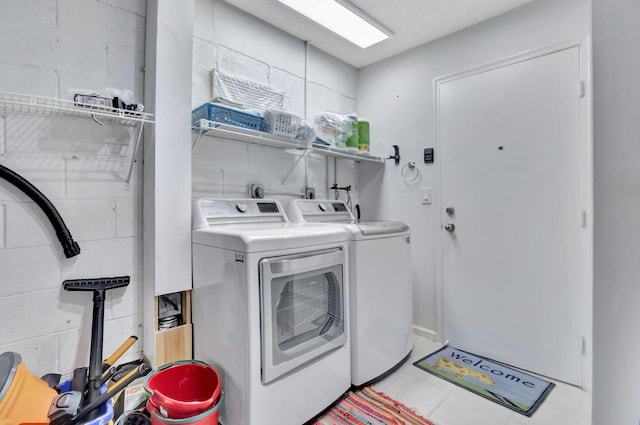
(270, 310)
(380, 287)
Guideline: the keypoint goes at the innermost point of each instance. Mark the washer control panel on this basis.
(211, 211)
(315, 210)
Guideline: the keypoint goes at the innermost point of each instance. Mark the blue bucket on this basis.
(105, 411)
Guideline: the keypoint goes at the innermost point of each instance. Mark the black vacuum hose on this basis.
(70, 247)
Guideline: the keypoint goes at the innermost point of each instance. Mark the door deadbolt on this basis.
(450, 227)
(450, 211)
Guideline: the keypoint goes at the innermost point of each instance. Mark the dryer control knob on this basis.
(241, 207)
(322, 207)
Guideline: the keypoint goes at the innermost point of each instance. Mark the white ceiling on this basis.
(413, 22)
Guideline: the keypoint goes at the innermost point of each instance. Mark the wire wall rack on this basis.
(16, 103)
(23, 103)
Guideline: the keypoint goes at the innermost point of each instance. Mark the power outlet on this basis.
(256, 191)
(309, 193)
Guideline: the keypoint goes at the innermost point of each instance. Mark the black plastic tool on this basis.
(141, 370)
(123, 370)
(133, 417)
(64, 407)
(108, 374)
(52, 379)
(99, 288)
(79, 382)
(67, 409)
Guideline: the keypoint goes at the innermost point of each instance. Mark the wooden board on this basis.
(173, 344)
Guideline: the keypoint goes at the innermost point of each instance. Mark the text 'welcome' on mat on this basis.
(519, 391)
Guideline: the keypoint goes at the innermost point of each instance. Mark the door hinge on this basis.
(583, 218)
(581, 89)
(583, 345)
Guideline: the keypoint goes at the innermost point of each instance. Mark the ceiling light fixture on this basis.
(343, 19)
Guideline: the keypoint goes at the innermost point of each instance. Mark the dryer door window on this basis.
(302, 310)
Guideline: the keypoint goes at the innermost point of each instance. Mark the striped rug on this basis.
(369, 407)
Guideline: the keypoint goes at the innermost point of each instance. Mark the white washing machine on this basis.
(270, 310)
(380, 287)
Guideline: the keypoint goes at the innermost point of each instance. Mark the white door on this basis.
(513, 268)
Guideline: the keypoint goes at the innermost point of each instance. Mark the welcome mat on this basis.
(369, 407)
(511, 388)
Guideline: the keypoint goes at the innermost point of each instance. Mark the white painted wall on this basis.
(397, 96)
(616, 66)
(48, 48)
(233, 41)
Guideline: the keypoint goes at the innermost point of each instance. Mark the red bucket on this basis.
(208, 417)
(183, 389)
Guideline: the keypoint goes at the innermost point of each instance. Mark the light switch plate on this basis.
(426, 195)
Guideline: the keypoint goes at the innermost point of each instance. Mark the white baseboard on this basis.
(426, 333)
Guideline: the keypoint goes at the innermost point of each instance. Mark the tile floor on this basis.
(447, 404)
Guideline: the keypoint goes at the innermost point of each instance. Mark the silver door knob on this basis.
(450, 227)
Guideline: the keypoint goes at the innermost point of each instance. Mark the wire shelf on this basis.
(28, 104)
(212, 129)
(17, 103)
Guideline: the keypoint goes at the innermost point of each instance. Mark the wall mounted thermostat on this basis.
(428, 155)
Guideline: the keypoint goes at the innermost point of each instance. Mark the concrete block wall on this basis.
(51, 48)
(233, 41)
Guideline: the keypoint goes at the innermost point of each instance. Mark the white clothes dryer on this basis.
(380, 287)
(270, 310)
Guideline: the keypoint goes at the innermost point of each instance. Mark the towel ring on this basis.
(411, 165)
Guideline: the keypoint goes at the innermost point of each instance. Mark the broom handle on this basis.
(95, 359)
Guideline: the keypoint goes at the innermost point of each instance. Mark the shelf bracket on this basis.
(302, 155)
(193, 146)
(134, 153)
(93, 117)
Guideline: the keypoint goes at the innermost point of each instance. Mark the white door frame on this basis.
(583, 46)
